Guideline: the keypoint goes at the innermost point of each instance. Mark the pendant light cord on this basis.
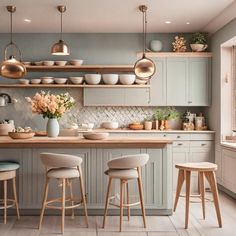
(11, 42)
(61, 25)
(144, 31)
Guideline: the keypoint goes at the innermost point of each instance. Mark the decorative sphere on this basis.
(156, 45)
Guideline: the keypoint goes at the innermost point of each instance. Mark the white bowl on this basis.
(110, 78)
(24, 81)
(110, 125)
(60, 80)
(35, 81)
(47, 80)
(127, 79)
(93, 78)
(76, 62)
(48, 63)
(27, 63)
(95, 135)
(140, 81)
(197, 47)
(76, 80)
(60, 63)
(38, 63)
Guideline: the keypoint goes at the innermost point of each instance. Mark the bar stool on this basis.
(8, 172)
(64, 168)
(125, 168)
(206, 169)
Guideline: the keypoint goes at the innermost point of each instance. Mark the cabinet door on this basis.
(158, 84)
(177, 81)
(104, 97)
(198, 93)
(137, 96)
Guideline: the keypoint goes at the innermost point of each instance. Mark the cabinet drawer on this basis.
(176, 136)
(202, 136)
(202, 144)
(184, 144)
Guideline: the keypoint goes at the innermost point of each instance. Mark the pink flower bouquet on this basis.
(50, 105)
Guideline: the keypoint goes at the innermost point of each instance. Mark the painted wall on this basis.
(93, 49)
(213, 113)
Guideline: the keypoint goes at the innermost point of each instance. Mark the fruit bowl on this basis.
(21, 135)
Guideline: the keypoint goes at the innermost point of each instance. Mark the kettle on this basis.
(4, 99)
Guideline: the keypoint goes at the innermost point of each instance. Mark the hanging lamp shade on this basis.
(11, 67)
(60, 48)
(144, 68)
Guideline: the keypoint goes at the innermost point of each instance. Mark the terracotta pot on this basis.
(166, 124)
(162, 125)
(148, 125)
(156, 124)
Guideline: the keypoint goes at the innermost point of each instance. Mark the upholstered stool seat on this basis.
(66, 173)
(63, 167)
(8, 172)
(126, 174)
(204, 169)
(125, 168)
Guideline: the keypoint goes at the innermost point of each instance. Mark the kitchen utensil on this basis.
(38, 63)
(60, 80)
(47, 80)
(95, 135)
(76, 62)
(110, 125)
(48, 63)
(35, 81)
(110, 78)
(21, 135)
(127, 79)
(93, 78)
(76, 80)
(60, 63)
(24, 81)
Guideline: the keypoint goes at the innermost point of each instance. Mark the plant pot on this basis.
(156, 124)
(162, 125)
(148, 125)
(175, 124)
(196, 47)
(52, 128)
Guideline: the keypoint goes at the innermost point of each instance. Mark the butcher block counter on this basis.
(156, 175)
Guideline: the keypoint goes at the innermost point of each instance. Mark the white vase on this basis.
(156, 45)
(53, 128)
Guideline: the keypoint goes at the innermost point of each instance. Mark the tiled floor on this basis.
(157, 225)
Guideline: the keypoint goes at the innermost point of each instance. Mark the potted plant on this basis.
(173, 120)
(199, 41)
(148, 123)
(160, 117)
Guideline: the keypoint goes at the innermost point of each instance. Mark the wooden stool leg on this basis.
(141, 196)
(127, 195)
(212, 182)
(202, 191)
(83, 195)
(5, 201)
(72, 202)
(44, 202)
(107, 201)
(188, 175)
(122, 184)
(15, 197)
(63, 202)
(180, 182)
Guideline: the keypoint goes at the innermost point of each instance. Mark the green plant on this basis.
(148, 118)
(160, 114)
(199, 38)
(172, 113)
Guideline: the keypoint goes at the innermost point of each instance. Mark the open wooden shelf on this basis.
(82, 68)
(72, 86)
(176, 54)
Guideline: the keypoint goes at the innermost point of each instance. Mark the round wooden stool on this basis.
(126, 168)
(206, 169)
(64, 168)
(8, 172)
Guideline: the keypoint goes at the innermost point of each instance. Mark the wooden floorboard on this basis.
(156, 225)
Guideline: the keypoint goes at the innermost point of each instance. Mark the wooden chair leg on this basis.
(15, 197)
(83, 196)
(122, 184)
(202, 191)
(141, 196)
(188, 175)
(107, 201)
(72, 202)
(44, 202)
(63, 202)
(180, 182)
(5, 201)
(127, 195)
(212, 182)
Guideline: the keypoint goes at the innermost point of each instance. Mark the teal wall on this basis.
(222, 35)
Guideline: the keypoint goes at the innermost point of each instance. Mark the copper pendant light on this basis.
(60, 48)
(12, 68)
(144, 68)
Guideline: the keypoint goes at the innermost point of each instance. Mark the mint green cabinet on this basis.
(188, 81)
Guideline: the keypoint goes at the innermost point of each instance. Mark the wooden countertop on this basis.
(78, 142)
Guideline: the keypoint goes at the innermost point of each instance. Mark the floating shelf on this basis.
(83, 68)
(176, 54)
(72, 86)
